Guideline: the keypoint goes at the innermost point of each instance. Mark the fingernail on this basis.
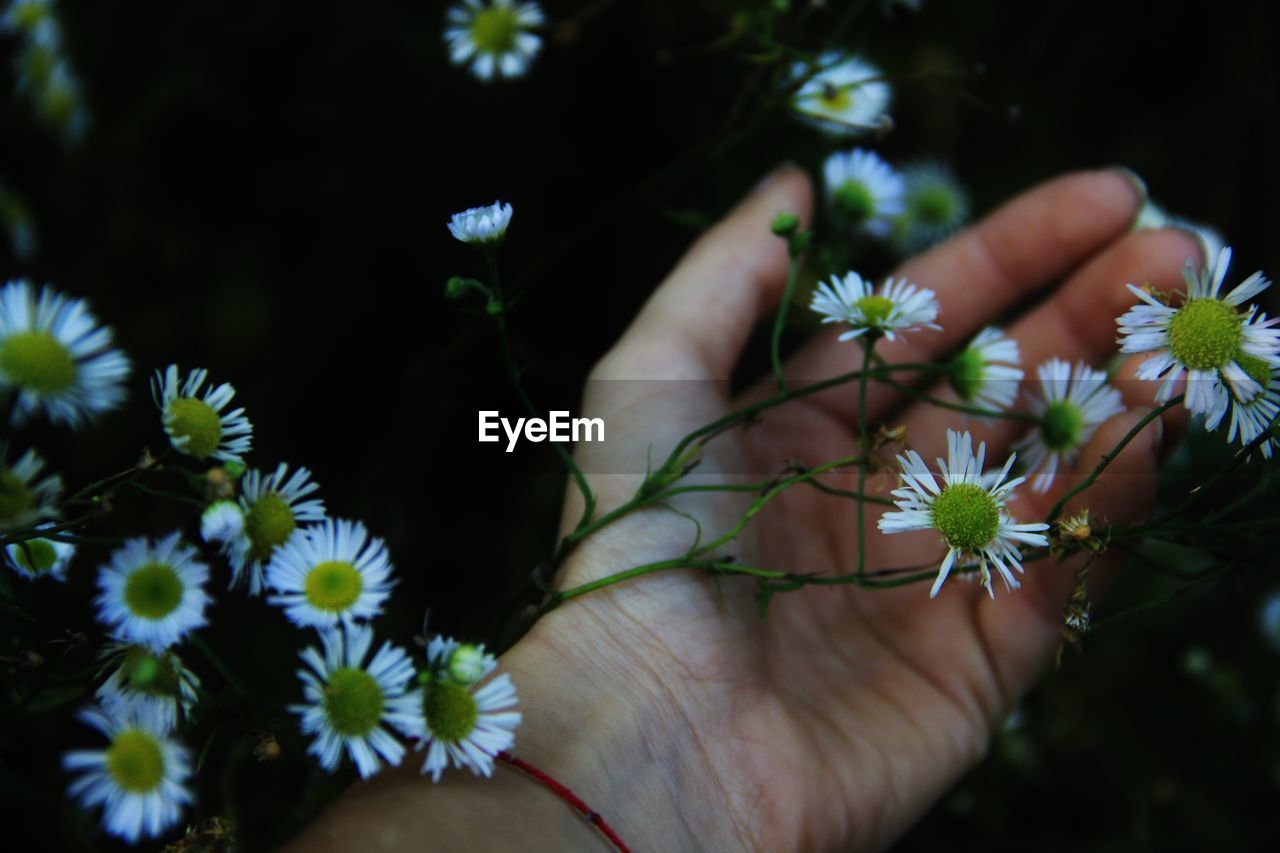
(1135, 180)
(772, 178)
(1209, 241)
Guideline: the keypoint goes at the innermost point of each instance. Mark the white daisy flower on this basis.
(898, 306)
(936, 207)
(1250, 419)
(1073, 402)
(493, 36)
(197, 425)
(140, 779)
(864, 189)
(153, 595)
(159, 677)
(466, 722)
(986, 373)
(349, 705)
(221, 522)
(56, 357)
(967, 509)
(1205, 338)
(271, 506)
(481, 225)
(26, 498)
(845, 97)
(329, 573)
(41, 558)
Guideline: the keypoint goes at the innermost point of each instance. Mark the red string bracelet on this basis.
(592, 816)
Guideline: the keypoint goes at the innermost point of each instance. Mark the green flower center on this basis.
(1061, 425)
(333, 586)
(153, 591)
(43, 556)
(967, 516)
(494, 30)
(154, 675)
(1205, 334)
(135, 761)
(450, 710)
(854, 201)
(268, 524)
(1259, 371)
(968, 372)
(836, 98)
(875, 309)
(934, 205)
(15, 497)
(38, 362)
(353, 701)
(197, 422)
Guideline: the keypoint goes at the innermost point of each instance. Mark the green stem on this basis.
(212, 658)
(33, 533)
(513, 373)
(1242, 456)
(959, 407)
(705, 433)
(775, 345)
(1110, 457)
(864, 441)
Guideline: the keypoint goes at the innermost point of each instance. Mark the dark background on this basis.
(263, 191)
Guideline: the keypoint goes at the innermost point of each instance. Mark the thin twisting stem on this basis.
(775, 345)
(864, 441)
(1110, 457)
(513, 372)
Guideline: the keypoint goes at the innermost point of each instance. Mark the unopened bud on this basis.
(785, 224)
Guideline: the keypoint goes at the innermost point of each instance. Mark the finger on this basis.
(1076, 323)
(684, 343)
(1031, 241)
(731, 277)
(1023, 630)
(1141, 393)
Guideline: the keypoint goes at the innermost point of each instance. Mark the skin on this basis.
(665, 702)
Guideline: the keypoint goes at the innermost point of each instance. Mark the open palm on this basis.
(666, 701)
(842, 715)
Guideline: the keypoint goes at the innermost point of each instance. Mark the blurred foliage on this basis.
(262, 190)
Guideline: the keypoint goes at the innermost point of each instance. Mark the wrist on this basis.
(598, 719)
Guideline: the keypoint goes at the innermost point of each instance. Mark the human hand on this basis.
(834, 722)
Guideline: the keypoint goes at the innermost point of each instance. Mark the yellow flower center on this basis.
(135, 761)
(353, 701)
(38, 362)
(268, 524)
(1061, 425)
(333, 586)
(875, 309)
(153, 591)
(197, 422)
(450, 710)
(1205, 334)
(854, 201)
(42, 556)
(967, 516)
(494, 30)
